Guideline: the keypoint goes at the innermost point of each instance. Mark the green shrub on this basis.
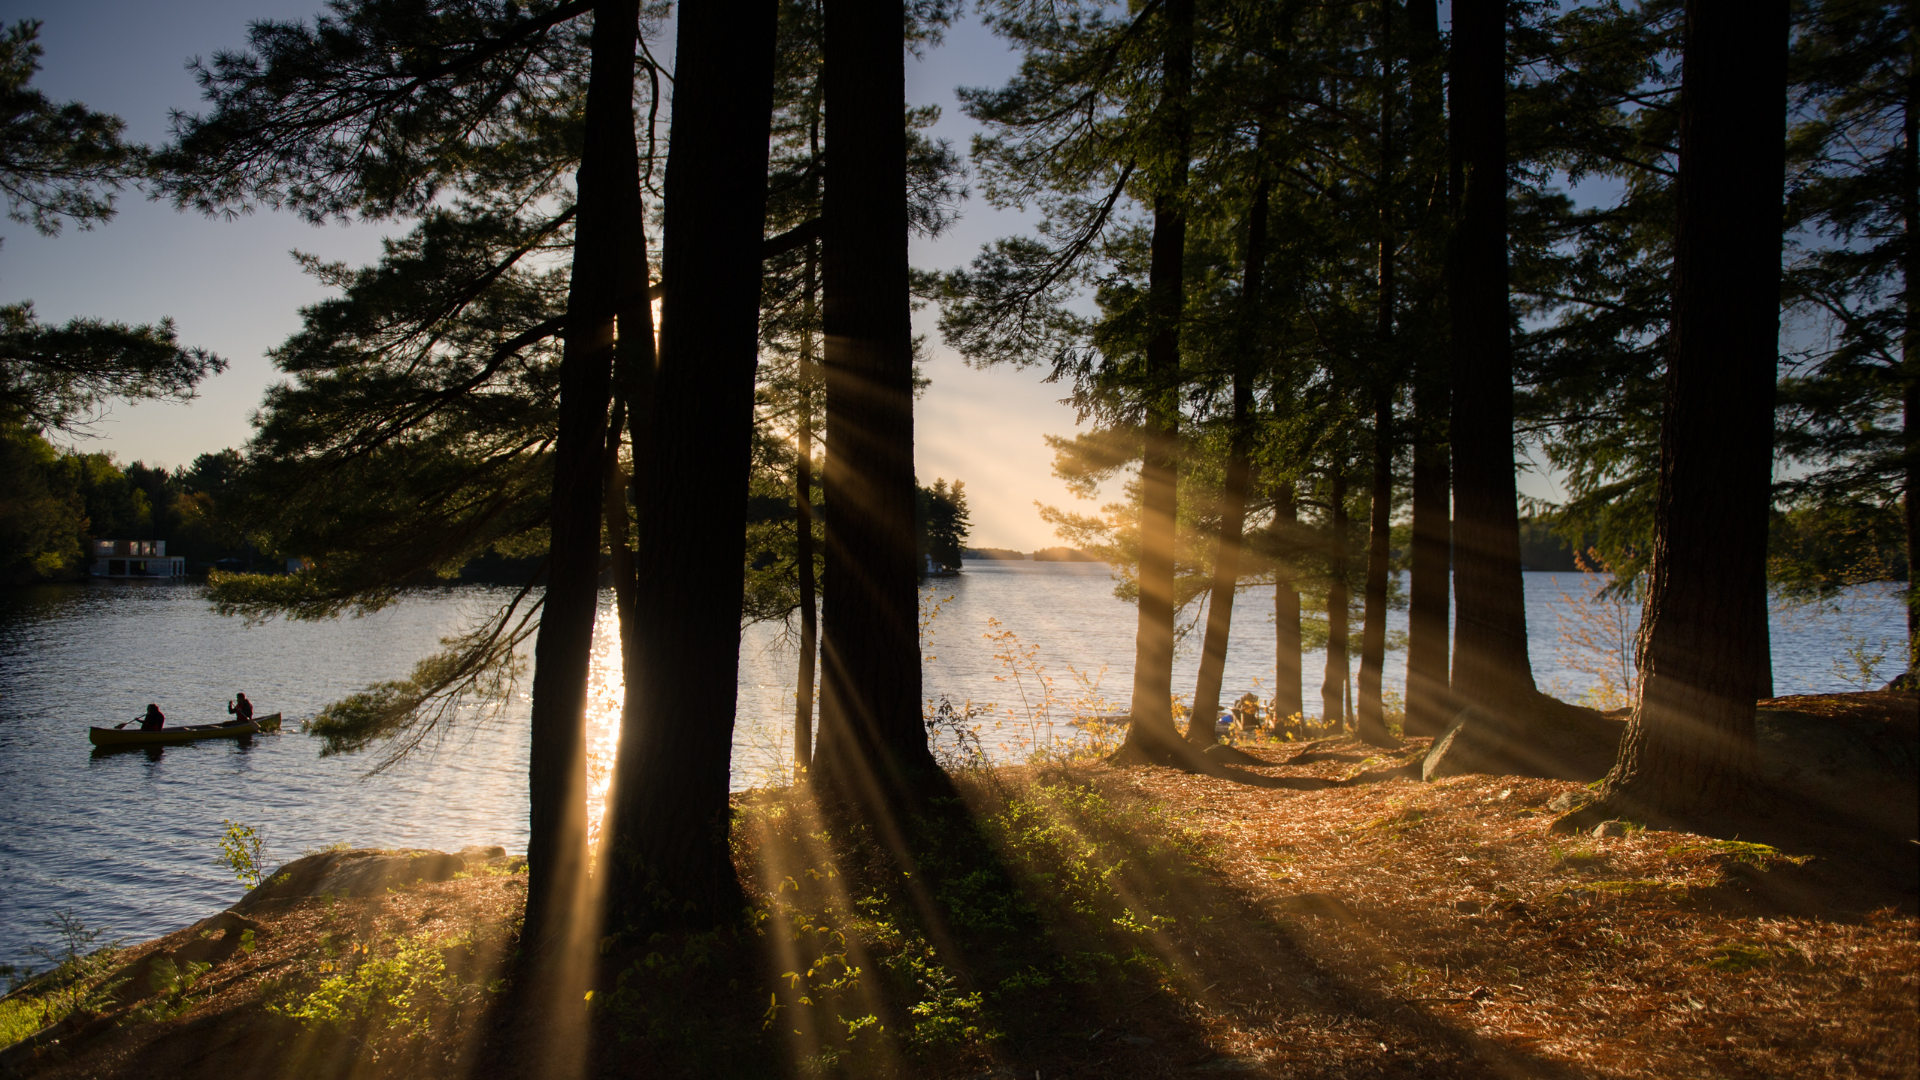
(22, 1016)
(244, 850)
(406, 989)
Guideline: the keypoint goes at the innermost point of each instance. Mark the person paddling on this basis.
(154, 719)
(242, 709)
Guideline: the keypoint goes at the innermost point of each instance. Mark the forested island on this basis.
(1319, 279)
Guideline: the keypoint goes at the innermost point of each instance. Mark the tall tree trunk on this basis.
(1690, 743)
(1201, 730)
(1490, 664)
(670, 863)
(1371, 714)
(803, 501)
(1152, 737)
(634, 362)
(1430, 584)
(1289, 697)
(1910, 337)
(563, 649)
(872, 744)
(1333, 685)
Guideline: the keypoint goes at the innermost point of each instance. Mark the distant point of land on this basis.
(1052, 554)
(1063, 554)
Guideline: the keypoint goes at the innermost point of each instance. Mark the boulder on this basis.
(361, 872)
(1856, 755)
(1858, 764)
(1550, 739)
(374, 873)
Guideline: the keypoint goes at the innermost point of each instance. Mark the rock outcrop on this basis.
(1852, 754)
(1549, 739)
(1861, 762)
(363, 872)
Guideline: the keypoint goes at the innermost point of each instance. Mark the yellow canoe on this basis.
(232, 729)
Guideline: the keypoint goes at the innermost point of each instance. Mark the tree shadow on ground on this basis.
(1037, 922)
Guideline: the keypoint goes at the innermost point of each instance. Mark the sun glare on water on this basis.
(606, 690)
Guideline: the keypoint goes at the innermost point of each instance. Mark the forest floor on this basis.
(1077, 919)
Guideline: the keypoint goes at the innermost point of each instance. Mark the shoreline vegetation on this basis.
(1052, 554)
(1318, 909)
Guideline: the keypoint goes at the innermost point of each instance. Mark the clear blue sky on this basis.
(232, 288)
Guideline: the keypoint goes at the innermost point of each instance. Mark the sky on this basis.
(231, 286)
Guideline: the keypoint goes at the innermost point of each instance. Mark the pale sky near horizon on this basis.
(231, 286)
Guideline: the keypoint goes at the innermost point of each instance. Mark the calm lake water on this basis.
(129, 840)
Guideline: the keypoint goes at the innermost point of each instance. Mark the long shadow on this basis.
(980, 924)
(1233, 766)
(1040, 924)
(1210, 960)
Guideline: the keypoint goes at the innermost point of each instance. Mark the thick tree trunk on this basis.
(1430, 584)
(670, 863)
(1910, 339)
(1333, 685)
(1371, 714)
(1490, 664)
(1152, 736)
(1201, 730)
(1289, 697)
(557, 899)
(872, 745)
(803, 501)
(1690, 744)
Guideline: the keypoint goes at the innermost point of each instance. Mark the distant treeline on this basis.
(60, 500)
(1052, 554)
(1541, 548)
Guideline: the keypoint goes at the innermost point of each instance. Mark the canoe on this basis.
(232, 729)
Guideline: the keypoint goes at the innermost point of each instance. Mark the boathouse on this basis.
(136, 559)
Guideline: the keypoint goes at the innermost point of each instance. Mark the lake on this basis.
(129, 840)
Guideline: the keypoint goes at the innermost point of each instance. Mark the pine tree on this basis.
(60, 164)
(1851, 412)
(1490, 665)
(872, 746)
(669, 861)
(1689, 746)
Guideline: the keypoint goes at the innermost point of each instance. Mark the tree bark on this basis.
(1333, 686)
(634, 362)
(670, 863)
(1371, 714)
(1201, 729)
(1689, 746)
(1910, 337)
(1289, 697)
(563, 648)
(872, 744)
(803, 501)
(1490, 664)
(1152, 736)
(1430, 584)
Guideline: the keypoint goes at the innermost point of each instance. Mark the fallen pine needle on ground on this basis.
(1099, 921)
